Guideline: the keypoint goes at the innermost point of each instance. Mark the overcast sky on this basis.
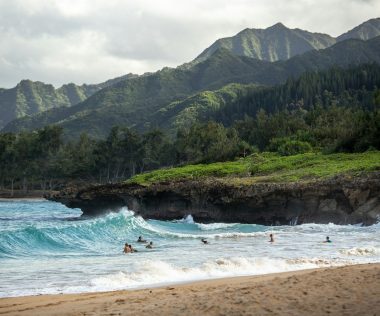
(90, 41)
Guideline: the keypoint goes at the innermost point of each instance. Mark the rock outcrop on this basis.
(345, 199)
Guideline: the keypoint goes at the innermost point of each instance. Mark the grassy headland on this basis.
(269, 167)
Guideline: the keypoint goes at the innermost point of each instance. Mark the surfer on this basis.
(205, 241)
(327, 239)
(271, 238)
(150, 245)
(140, 239)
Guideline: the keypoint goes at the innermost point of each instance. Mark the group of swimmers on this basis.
(128, 248)
(271, 238)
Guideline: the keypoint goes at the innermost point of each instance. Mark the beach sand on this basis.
(350, 290)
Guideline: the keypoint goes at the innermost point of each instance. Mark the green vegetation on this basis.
(29, 98)
(219, 169)
(269, 167)
(185, 113)
(283, 42)
(341, 116)
(273, 168)
(137, 103)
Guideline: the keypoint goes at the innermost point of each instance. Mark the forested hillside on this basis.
(332, 111)
(137, 103)
(29, 97)
(275, 43)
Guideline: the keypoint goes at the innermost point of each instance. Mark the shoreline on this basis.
(347, 290)
(6, 195)
(344, 199)
(15, 199)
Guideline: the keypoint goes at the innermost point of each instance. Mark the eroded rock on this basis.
(340, 200)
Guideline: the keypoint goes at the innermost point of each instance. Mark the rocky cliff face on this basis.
(341, 200)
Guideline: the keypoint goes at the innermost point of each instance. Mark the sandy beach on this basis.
(350, 290)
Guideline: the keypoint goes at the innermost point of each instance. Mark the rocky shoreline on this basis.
(344, 199)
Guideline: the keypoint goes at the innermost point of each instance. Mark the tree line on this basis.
(342, 116)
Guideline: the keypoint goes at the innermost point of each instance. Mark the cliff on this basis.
(343, 199)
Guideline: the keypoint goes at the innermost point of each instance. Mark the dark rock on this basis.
(341, 200)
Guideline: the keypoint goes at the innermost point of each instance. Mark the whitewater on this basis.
(46, 248)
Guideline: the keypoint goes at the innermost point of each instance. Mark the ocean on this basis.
(46, 248)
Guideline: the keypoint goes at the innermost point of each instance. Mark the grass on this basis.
(218, 169)
(314, 166)
(269, 167)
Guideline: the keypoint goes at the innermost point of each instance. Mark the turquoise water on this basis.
(48, 248)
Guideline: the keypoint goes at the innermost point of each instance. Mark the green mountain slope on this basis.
(355, 87)
(139, 102)
(29, 97)
(281, 43)
(274, 43)
(198, 107)
(364, 31)
(184, 113)
(133, 101)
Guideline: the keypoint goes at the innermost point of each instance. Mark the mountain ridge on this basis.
(31, 97)
(279, 42)
(128, 104)
(136, 102)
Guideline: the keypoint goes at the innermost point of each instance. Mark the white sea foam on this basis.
(158, 272)
(361, 251)
(187, 219)
(197, 235)
(215, 226)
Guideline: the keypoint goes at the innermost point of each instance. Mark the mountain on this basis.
(274, 43)
(132, 102)
(29, 97)
(139, 102)
(184, 113)
(281, 43)
(353, 87)
(364, 31)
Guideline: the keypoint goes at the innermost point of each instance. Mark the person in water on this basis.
(327, 239)
(127, 248)
(150, 245)
(140, 239)
(204, 241)
(271, 238)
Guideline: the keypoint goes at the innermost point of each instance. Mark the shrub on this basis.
(288, 147)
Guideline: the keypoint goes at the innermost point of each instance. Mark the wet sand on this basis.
(350, 290)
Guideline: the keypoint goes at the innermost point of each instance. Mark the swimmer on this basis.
(204, 241)
(271, 238)
(140, 239)
(150, 245)
(327, 239)
(127, 248)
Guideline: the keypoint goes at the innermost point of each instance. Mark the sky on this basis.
(91, 41)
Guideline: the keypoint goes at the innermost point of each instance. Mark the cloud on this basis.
(60, 41)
